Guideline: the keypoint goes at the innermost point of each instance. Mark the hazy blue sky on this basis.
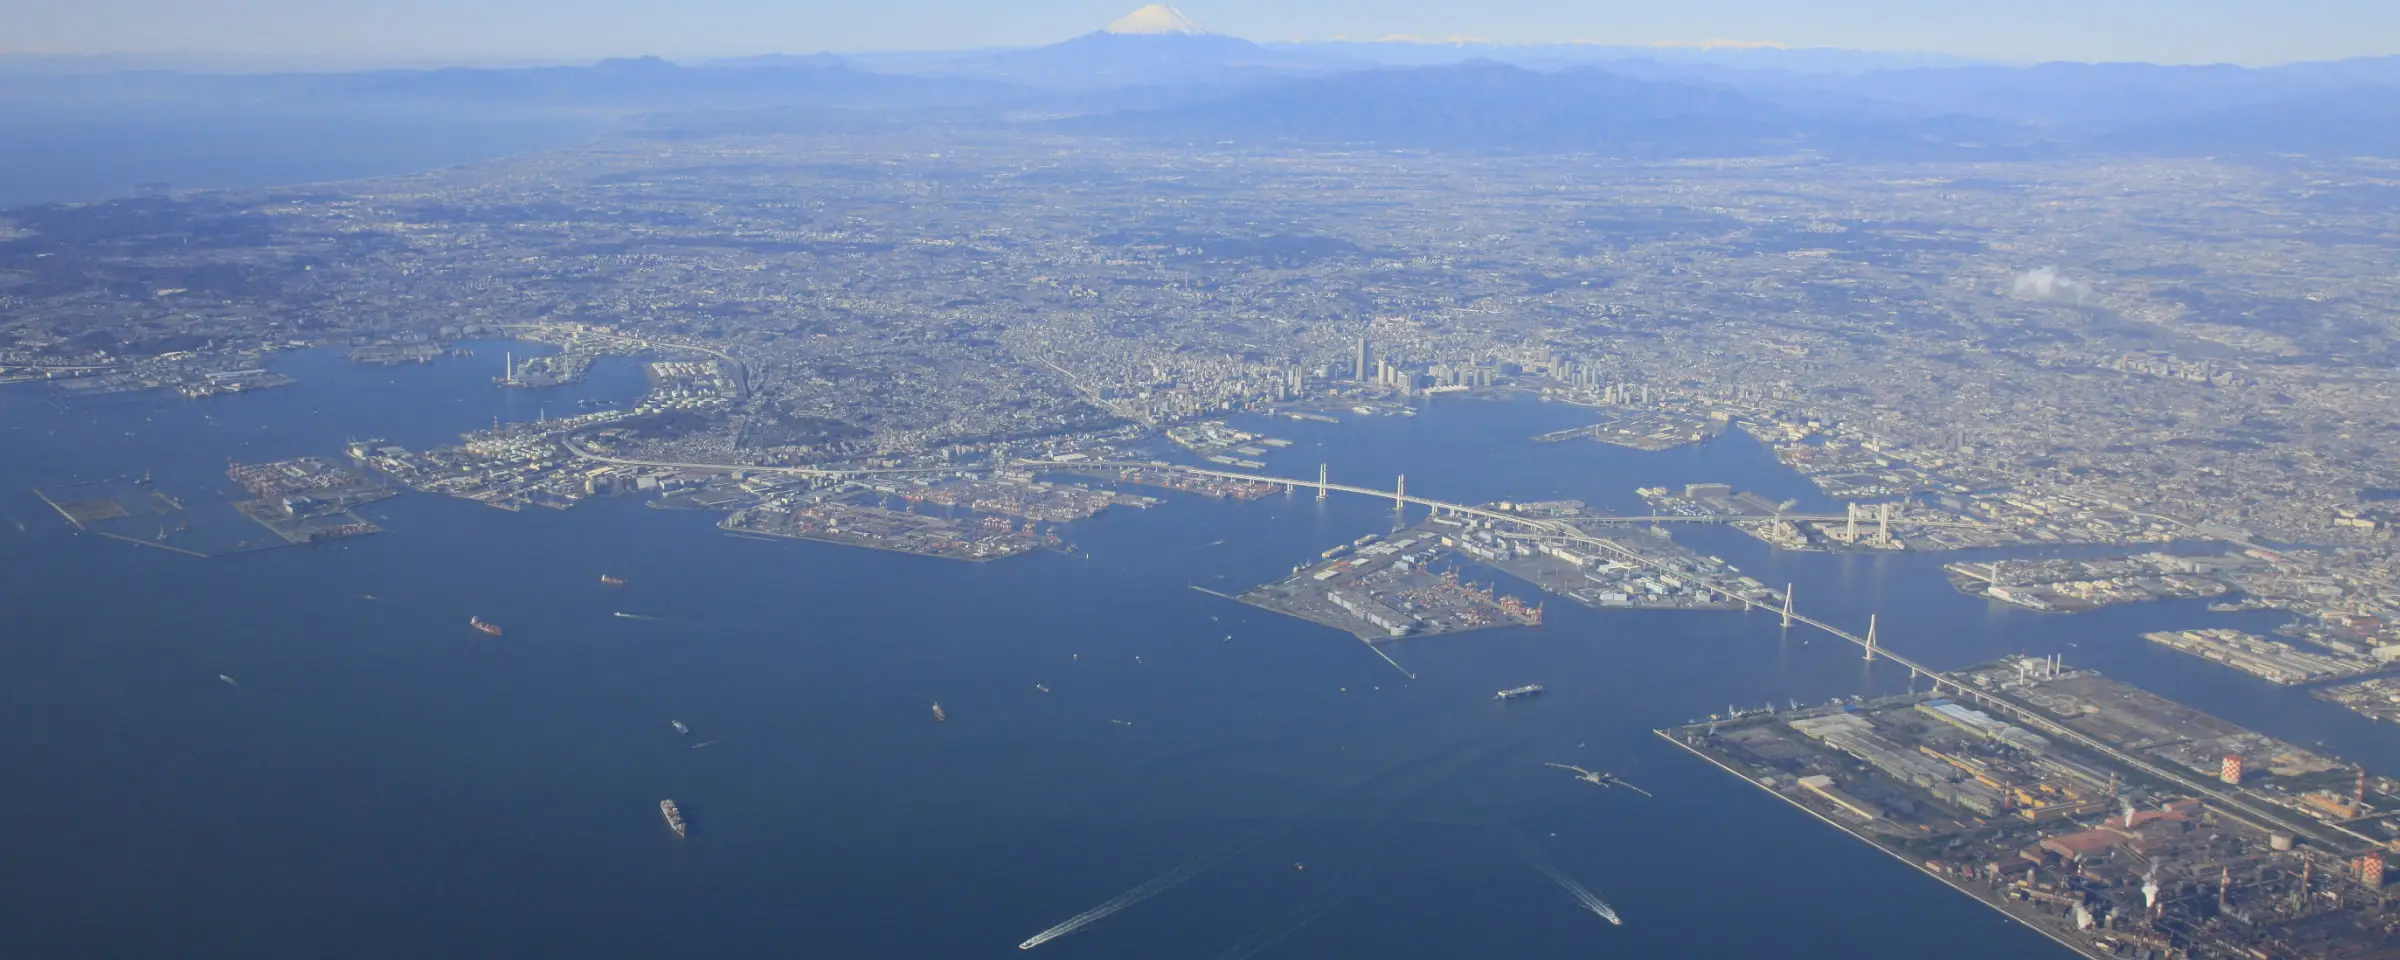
(2247, 31)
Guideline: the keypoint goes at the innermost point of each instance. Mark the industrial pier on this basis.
(2183, 837)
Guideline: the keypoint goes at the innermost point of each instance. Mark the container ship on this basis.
(1513, 693)
(610, 581)
(938, 715)
(486, 626)
(674, 817)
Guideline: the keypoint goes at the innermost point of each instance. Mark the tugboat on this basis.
(938, 715)
(674, 817)
(481, 624)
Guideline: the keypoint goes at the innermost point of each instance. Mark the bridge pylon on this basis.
(1322, 490)
(1400, 493)
(1787, 606)
(1870, 638)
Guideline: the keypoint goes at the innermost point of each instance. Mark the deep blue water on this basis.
(387, 783)
(73, 152)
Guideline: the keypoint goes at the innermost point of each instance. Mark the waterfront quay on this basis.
(2377, 698)
(837, 521)
(2263, 658)
(1184, 480)
(2180, 836)
(2074, 584)
(1380, 587)
(1013, 495)
(1645, 430)
(307, 499)
(1666, 577)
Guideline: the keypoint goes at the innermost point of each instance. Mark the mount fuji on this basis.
(1155, 20)
(1155, 46)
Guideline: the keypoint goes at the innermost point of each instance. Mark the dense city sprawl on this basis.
(2114, 352)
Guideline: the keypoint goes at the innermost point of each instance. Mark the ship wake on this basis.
(1457, 754)
(1583, 895)
(1155, 886)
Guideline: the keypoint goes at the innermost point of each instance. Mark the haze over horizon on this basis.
(456, 31)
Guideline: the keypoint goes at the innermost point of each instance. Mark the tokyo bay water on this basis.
(380, 780)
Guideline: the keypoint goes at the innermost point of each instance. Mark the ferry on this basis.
(1513, 693)
(674, 817)
(481, 624)
(610, 581)
(938, 715)
(679, 727)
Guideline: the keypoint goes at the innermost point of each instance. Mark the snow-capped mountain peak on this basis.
(1157, 19)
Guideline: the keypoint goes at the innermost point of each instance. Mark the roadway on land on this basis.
(575, 443)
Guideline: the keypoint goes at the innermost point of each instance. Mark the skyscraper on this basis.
(1359, 372)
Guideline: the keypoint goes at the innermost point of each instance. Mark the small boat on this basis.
(486, 626)
(674, 817)
(607, 580)
(1041, 688)
(229, 681)
(679, 727)
(939, 716)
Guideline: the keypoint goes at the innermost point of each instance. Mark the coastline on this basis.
(2079, 949)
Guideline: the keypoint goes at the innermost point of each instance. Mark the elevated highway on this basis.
(1565, 530)
(575, 444)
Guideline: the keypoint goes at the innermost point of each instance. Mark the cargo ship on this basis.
(480, 624)
(1513, 693)
(938, 715)
(610, 581)
(674, 817)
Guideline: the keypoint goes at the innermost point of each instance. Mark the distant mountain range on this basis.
(640, 84)
(1155, 73)
(1104, 60)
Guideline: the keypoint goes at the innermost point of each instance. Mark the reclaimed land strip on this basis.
(2079, 949)
(62, 511)
(789, 537)
(146, 543)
